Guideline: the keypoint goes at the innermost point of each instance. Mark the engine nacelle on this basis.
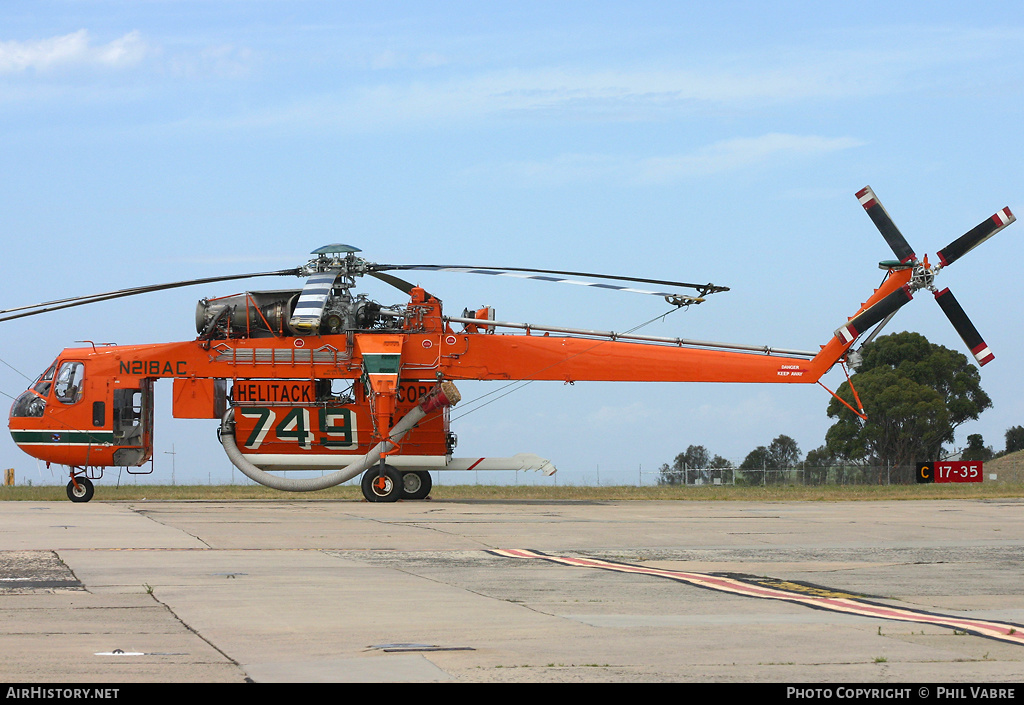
(264, 314)
(254, 314)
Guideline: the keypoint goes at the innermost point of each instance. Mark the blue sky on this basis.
(155, 141)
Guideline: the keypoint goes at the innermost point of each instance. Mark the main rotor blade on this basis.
(530, 273)
(974, 237)
(400, 284)
(309, 309)
(862, 322)
(899, 245)
(968, 333)
(59, 304)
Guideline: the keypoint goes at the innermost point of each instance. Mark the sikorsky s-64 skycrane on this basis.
(326, 379)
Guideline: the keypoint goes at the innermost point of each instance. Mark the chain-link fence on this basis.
(698, 476)
(604, 476)
(796, 475)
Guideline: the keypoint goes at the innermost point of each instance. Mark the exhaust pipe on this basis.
(444, 395)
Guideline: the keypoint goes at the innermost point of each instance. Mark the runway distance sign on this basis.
(951, 471)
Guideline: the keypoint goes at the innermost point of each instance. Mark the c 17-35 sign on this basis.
(951, 471)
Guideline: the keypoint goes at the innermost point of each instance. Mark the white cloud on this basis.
(616, 95)
(69, 50)
(446, 96)
(390, 89)
(730, 155)
(719, 157)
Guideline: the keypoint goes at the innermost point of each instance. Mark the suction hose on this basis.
(444, 395)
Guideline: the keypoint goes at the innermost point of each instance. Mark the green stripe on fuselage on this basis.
(70, 437)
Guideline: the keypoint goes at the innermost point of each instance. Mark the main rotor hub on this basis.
(336, 257)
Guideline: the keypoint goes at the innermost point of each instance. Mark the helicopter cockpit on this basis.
(32, 402)
(66, 419)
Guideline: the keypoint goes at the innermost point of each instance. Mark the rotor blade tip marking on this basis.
(867, 198)
(1003, 217)
(983, 354)
(846, 334)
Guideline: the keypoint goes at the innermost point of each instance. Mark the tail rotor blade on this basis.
(863, 321)
(974, 237)
(955, 313)
(899, 245)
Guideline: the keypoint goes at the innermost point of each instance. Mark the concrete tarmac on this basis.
(300, 590)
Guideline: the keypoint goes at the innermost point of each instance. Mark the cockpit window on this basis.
(28, 405)
(42, 385)
(68, 386)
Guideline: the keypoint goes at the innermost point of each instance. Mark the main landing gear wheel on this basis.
(83, 492)
(386, 488)
(416, 484)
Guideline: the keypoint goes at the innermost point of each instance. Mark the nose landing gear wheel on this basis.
(382, 488)
(416, 484)
(83, 492)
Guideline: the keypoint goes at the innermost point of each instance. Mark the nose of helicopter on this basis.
(23, 422)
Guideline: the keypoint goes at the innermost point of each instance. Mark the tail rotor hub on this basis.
(924, 276)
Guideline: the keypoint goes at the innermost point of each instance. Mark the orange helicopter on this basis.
(326, 379)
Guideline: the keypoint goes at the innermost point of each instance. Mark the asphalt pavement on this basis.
(300, 591)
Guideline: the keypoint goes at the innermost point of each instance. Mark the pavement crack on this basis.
(433, 528)
(145, 515)
(189, 628)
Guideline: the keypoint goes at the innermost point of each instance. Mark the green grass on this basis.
(787, 493)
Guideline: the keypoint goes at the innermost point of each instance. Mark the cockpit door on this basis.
(133, 424)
